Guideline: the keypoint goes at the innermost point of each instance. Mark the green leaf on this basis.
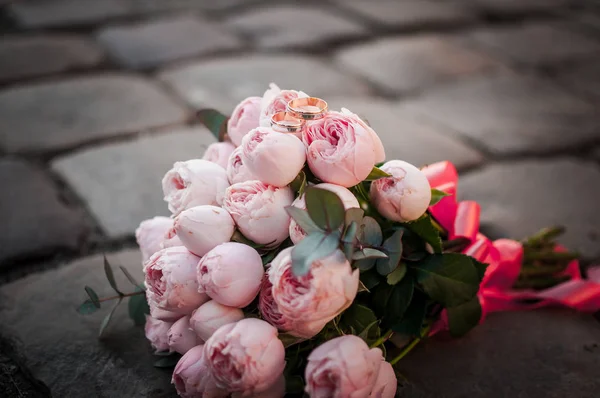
(361, 319)
(288, 340)
(436, 196)
(129, 276)
(298, 185)
(138, 308)
(87, 307)
(303, 219)
(325, 208)
(240, 238)
(481, 268)
(376, 173)
(414, 316)
(315, 246)
(396, 275)
(111, 276)
(215, 121)
(269, 256)
(370, 279)
(354, 214)
(367, 252)
(371, 333)
(168, 361)
(369, 233)
(348, 240)
(381, 296)
(393, 247)
(450, 279)
(107, 318)
(93, 296)
(424, 228)
(464, 317)
(399, 300)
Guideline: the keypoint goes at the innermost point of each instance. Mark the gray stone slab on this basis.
(512, 114)
(270, 26)
(516, 6)
(223, 83)
(61, 347)
(545, 353)
(44, 13)
(409, 14)
(408, 138)
(521, 197)
(150, 43)
(121, 183)
(597, 153)
(15, 379)
(62, 114)
(535, 44)
(29, 56)
(413, 63)
(583, 78)
(35, 219)
(170, 5)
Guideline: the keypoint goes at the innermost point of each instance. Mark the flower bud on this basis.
(275, 100)
(219, 152)
(181, 337)
(244, 118)
(386, 383)
(151, 234)
(202, 228)
(192, 376)
(211, 315)
(236, 169)
(157, 333)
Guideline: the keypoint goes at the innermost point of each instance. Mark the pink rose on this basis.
(403, 197)
(194, 183)
(192, 377)
(181, 336)
(231, 274)
(377, 144)
(212, 315)
(236, 169)
(342, 367)
(245, 357)
(171, 280)
(158, 313)
(258, 210)
(274, 158)
(347, 197)
(308, 302)
(157, 333)
(386, 383)
(202, 228)
(244, 118)
(151, 234)
(275, 100)
(340, 149)
(219, 152)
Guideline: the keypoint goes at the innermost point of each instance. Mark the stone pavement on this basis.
(97, 100)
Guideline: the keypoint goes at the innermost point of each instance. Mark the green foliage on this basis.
(411, 323)
(436, 196)
(167, 361)
(313, 247)
(393, 247)
(362, 321)
(111, 276)
(299, 183)
(376, 173)
(464, 317)
(370, 279)
(396, 275)
(354, 214)
(215, 121)
(303, 219)
(87, 307)
(93, 296)
(325, 208)
(138, 307)
(348, 240)
(108, 318)
(424, 228)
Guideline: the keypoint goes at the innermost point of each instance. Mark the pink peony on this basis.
(231, 274)
(194, 183)
(158, 313)
(245, 357)
(236, 169)
(386, 383)
(244, 118)
(171, 280)
(192, 377)
(377, 144)
(151, 234)
(181, 336)
(219, 152)
(157, 333)
(341, 368)
(268, 307)
(274, 158)
(202, 228)
(258, 210)
(403, 197)
(275, 100)
(307, 303)
(341, 149)
(211, 315)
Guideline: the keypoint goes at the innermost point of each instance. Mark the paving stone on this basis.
(62, 114)
(151, 43)
(409, 14)
(209, 5)
(15, 379)
(512, 114)
(61, 347)
(406, 137)
(223, 83)
(45, 13)
(35, 220)
(536, 44)
(28, 56)
(597, 153)
(521, 197)
(413, 63)
(121, 183)
(516, 6)
(270, 27)
(545, 353)
(583, 78)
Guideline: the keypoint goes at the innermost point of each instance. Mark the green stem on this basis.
(118, 297)
(551, 256)
(382, 339)
(545, 235)
(412, 345)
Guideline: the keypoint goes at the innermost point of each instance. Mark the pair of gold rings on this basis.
(298, 111)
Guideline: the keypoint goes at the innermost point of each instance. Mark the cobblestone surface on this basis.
(95, 105)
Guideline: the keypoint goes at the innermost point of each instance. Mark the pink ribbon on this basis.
(505, 258)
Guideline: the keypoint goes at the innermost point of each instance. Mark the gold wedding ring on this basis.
(283, 122)
(311, 108)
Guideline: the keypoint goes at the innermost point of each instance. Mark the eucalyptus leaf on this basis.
(450, 279)
(93, 296)
(138, 308)
(436, 196)
(303, 219)
(396, 275)
(464, 317)
(111, 276)
(107, 318)
(298, 185)
(393, 246)
(354, 214)
(129, 276)
(167, 362)
(348, 240)
(367, 252)
(325, 208)
(215, 121)
(315, 246)
(87, 307)
(376, 173)
(369, 233)
(424, 228)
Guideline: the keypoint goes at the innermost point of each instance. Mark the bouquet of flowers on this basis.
(297, 261)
